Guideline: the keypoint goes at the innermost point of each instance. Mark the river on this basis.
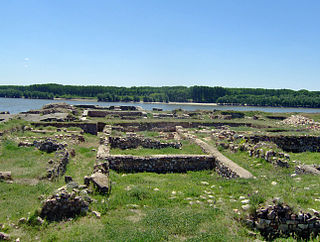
(17, 105)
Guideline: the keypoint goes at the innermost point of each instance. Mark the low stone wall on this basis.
(295, 144)
(160, 163)
(224, 166)
(122, 107)
(104, 113)
(91, 128)
(64, 205)
(170, 126)
(58, 167)
(134, 142)
(280, 221)
(233, 114)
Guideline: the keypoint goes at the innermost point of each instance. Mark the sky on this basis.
(229, 43)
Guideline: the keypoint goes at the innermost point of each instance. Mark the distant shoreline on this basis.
(76, 99)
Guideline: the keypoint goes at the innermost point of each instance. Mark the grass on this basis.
(136, 212)
(12, 125)
(82, 164)
(23, 162)
(306, 157)
(187, 149)
(300, 192)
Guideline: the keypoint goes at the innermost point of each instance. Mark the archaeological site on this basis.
(117, 173)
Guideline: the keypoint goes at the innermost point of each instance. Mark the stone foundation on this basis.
(171, 126)
(58, 167)
(134, 142)
(104, 113)
(160, 163)
(91, 128)
(280, 221)
(224, 166)
(295, 144)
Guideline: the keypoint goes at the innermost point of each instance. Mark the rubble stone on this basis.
(279, 220)
(63, 205)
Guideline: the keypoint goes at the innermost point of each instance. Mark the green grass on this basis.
(82, 164)
(187, 148)
(299, 192)
(23, 162)
(306, 157)
(12, 124)
(136, 212)
(21, 200)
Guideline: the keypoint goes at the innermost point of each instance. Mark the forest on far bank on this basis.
(198, 94)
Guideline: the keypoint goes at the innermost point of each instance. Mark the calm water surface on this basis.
(17, 105)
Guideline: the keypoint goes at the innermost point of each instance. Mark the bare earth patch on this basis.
(138, 215)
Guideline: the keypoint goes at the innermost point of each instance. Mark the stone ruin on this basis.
(288, 143)
(264, 148)
(134, 142)
(48, 145)
(65, 204)
(279, 220)
(307, 169)
(73, 200)
(100, 182)
(160, 163)
(299, 120)
(58, 166)
(100, 178)
(52, 108)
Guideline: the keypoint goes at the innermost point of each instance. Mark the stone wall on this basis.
(134, 142)
(280, 221)
(104, 113)
(170, 126)
(58, 167)
(233, 114)
(294, 144)
(160, 163)
(122, 107)
(91, 128)
(224, 166)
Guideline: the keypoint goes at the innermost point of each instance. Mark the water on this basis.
(17, 105)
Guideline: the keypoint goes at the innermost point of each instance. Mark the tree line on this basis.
(200, 94)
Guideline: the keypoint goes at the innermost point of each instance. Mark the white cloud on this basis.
(26, 59)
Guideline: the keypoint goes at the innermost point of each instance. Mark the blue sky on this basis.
(230, 43)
